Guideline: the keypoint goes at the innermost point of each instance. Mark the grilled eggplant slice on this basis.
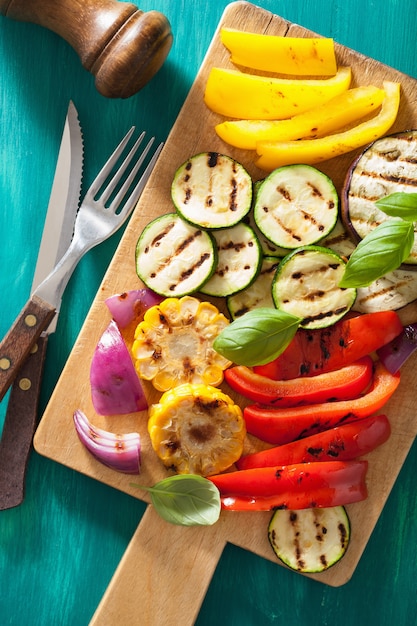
(306, 285)
(173, 258)
(310, 540)
(239, 261)
(391, 292)
(296, 205)
(211, 190)
(388, 165)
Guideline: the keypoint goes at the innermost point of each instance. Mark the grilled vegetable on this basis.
(258, 294)
(128, 307)
(395, 353)
(347, 382)
(296, 206)
(211, 190)
(306, 284)
(311, 540)
(342, 443)
(174, 343)
(276, 154)
(387, 166)
(391, 292)
(313, 56)
(338, 240)
(298, 486)
(279, 426)
(121, 452)
(239, 260)
(346, 108)
(196, 429)
(115, 386)
(173, 258)
(314, 351)
(248, 96)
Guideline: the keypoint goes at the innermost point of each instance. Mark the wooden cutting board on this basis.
(166, 569)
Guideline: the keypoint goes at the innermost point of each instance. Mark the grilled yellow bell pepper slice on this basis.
(346, 108)
(250, 96)
(311, 151)
(299, 56)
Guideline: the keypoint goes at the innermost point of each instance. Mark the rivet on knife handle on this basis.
(35, 316)
(19, 426)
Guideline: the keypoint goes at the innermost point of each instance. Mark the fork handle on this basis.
(122, 46)
(34, 318)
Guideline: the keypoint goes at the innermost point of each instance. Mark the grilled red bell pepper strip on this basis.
(312, 352)
(342, 443)
(342, 384)
(298, 486)
(278, 426)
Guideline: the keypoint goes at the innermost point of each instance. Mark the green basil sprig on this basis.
(258, 337)
(381, 251)
(399, 204)
(186, 500)
(387, 246)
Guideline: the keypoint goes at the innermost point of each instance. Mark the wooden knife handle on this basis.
(34, 318)
(122, 46)
(19, 426)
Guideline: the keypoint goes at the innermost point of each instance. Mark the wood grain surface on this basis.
(158, 547)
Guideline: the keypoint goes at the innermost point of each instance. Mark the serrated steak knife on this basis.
(21, 416)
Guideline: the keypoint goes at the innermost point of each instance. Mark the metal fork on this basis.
(96, 221)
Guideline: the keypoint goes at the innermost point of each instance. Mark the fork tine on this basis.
(134, 196)
(109, 165)
(106, 193)
(129, 180)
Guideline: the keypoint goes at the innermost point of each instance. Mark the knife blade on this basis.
(21, 416)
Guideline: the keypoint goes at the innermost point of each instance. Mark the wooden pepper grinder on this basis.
(122, 46)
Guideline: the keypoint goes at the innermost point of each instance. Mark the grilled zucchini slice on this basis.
(173, 258)
(239, 260)
(387, 166)
(310, 540)
(306, 285)
(296, 205)
(258, 294)
(211, 190)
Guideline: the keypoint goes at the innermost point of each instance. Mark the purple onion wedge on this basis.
(115, 385)
(119, 452)
(130, 305)
(395, 353)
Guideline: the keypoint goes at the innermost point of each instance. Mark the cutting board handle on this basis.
(163, 575)
(122, 46)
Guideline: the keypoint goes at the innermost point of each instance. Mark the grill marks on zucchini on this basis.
(212, 190)
(173, 258)
(310, 540)
(389, 165)
(239, 259)
(306, 285)
(296, 205)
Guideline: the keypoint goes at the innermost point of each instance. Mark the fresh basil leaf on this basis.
(258, 337)
(381, 251)
(186, 500)
(399, 204)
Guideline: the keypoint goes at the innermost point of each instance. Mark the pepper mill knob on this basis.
(122, 46)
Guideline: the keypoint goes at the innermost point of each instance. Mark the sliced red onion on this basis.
(126, 307)
(120, 452)
(115, 385)
(395, 353)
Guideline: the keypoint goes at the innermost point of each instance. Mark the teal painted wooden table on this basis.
(59, 549)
